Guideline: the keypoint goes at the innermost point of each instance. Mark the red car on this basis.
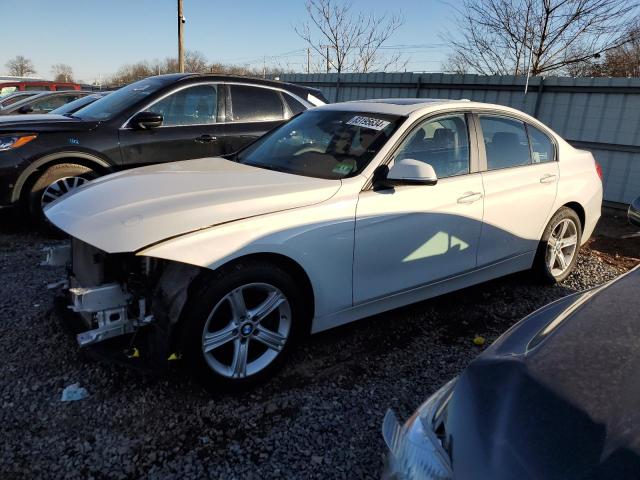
(15, 85)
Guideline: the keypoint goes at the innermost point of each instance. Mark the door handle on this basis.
(548, 178)
(470, 197)
(205, 139)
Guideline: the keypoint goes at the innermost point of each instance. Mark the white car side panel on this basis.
(580, 183)
(413, 235)
(506, 267)
(517, 206)
(129, 210)
(319, 238)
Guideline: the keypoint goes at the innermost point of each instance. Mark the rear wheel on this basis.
(56, 181)
(240, 323)
(558, 250)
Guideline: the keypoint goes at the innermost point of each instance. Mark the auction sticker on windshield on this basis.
(368, 122)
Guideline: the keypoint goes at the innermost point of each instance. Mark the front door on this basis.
(191, 128)
(414, 235)
(520, 184)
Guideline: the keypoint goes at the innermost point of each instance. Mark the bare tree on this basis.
(455, 63)
(623, 61)
(516, 37)
(194, 62)
(62, 72)
(348, 41)
(133, 72)
(20, 66)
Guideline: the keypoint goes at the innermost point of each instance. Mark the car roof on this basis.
(222, 77)
(409, 106)
(21, 93)
(51, 93)
(392, 106)
(47, 93)
(173, 78)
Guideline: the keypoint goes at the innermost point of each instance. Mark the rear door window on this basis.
(255, 104)
(506, 142)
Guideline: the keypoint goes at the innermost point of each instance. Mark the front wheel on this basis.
(55, 182)
(558, 250)
(240, 324)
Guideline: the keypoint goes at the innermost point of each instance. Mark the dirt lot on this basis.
(319, 418)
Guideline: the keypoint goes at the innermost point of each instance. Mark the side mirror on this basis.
(25, 109)
(406, 171)
(146, 120)
(634, 212)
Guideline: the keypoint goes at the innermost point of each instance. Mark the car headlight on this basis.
(416, 452)
(11, 142)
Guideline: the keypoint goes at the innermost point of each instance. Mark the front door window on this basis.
(442, 142)
(196, 105)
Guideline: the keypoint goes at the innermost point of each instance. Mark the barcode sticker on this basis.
(368, 122)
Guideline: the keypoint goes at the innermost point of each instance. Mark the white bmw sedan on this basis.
(346, 211)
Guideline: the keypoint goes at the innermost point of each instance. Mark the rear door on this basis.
(251, 112)
(520, 181)
(192, 128)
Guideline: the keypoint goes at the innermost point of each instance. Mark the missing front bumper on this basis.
(106, 311)
(108, 308)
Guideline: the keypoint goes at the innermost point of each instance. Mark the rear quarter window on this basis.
(542, 148)
(294, 105)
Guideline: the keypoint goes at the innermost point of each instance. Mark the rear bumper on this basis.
(593, 211)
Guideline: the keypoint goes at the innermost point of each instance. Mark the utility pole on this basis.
(327, 58)
(181, 21)
(308, 61)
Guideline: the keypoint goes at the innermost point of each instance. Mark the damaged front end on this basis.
(123, 295)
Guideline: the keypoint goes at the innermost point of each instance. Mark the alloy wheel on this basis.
(562, 246)
(246, 330)
(59, 188)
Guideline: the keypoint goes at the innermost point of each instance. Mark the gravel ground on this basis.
(319, 418)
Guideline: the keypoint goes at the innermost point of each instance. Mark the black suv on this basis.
(158, 119)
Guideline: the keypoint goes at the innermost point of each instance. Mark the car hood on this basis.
(558, 400)
(127, 211)
(44, 123)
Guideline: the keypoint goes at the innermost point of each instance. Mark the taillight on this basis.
(599, 170)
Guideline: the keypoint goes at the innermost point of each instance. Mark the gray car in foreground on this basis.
(556, 397)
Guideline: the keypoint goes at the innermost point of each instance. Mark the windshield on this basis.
(323, 143)
(120, 100)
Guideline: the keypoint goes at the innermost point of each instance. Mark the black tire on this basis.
(541, 266)
(50, 176)
(207, 291)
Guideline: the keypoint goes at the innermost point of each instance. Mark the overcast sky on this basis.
(97, 37)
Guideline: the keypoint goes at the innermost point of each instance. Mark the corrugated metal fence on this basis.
(598, 114)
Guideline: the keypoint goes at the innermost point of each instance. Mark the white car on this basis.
(346, 211)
